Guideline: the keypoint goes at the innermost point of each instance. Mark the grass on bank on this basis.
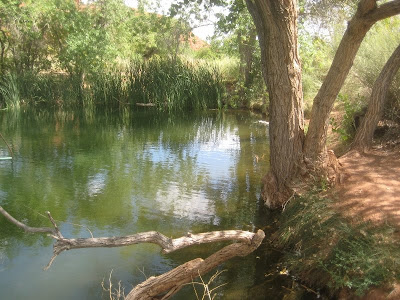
(168, 84)
(324, 250)
(9, 92)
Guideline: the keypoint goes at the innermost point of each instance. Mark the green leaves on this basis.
(60, 35)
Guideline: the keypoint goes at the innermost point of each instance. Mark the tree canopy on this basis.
(64, 35)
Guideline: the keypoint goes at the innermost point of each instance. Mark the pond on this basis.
(113, 174)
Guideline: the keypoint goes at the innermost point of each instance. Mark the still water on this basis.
(119, 174)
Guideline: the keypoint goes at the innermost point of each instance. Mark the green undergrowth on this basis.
(324, 250)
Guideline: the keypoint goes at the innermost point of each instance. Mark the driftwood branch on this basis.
(169, 245)
(26, 228)
(170, 282)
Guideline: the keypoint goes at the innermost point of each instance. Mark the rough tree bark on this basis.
(365, 132)
(291, 153)
(368, 13)
(169, 283)
(276, 24)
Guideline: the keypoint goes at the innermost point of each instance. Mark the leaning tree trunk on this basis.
(276, 23)
(365, 133)
(368, 13)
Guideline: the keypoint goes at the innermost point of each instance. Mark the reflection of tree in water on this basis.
(131, 172)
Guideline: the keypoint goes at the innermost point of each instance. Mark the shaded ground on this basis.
(371, 186)
(371, 191)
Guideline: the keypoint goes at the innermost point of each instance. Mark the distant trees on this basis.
(240, 26)
(22, 36)
(69, 36)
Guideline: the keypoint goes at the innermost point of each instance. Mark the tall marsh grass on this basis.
(50, 89)
(9, 91)
(35, 89)
(165, 83)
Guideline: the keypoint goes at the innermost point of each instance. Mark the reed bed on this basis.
(166, 84)
(40, 89)
(9, 91)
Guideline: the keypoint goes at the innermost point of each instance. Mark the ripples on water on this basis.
(120, 176)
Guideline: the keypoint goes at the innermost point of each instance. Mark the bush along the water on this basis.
(324, 250)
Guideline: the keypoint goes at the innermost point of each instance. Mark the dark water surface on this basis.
(119, 174)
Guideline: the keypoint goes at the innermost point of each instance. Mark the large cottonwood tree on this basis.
(292, 153)
(276, 23)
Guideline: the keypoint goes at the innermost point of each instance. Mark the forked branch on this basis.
(183, 274)
(27, 228)
(169, 283)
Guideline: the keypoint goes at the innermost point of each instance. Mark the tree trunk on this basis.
(365, 132)
(2, 51)
(249, 58)
(239, 41)
(246, 54)
(276, 24)
(368, 13)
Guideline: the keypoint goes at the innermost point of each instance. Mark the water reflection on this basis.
(119, 174)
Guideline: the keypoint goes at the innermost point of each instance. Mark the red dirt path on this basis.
(371, 191)
(371, 186)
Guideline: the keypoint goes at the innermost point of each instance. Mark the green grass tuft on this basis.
(9, 91)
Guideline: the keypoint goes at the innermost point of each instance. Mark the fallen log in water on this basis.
(168, 283)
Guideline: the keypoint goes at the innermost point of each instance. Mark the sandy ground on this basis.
(371, 186)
